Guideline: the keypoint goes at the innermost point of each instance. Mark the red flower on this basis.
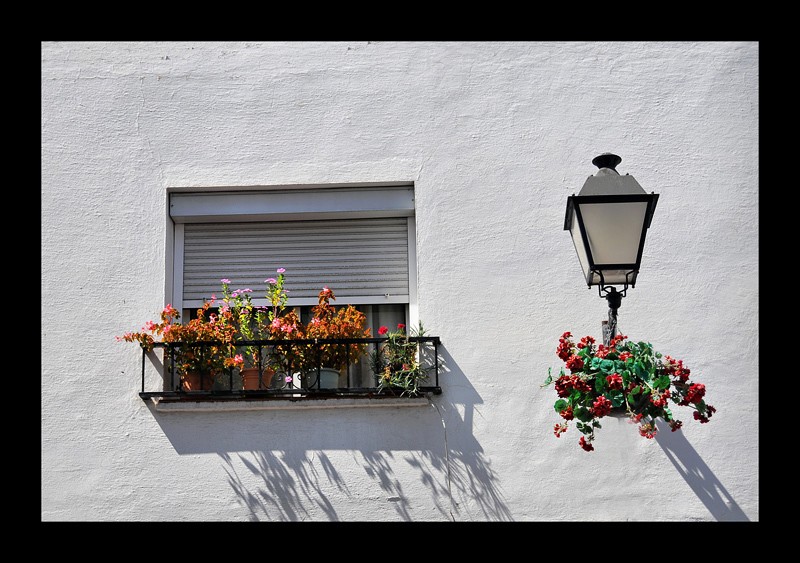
(625, 355)
(677, 369)
(648, 431)
(601, 407)
(616, 340)
(566, 383)
(614, 381)
(586, 445)
(695, 393)
(565, 346)
(660, 400)
(675, 425)
(383, 330)
(401, 326)
(703, 418)
(575, 363)
(567, 414)
(563, 386)
(559, 429)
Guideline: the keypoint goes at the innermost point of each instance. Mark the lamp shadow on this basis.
(698, 475)
(307, 460)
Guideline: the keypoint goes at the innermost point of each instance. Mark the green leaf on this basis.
(560, 405)
(616, 397)
(662, 382)
(600, 383)
(667, 414)
(636, 390)
(595, 363)
(638, 369)
(582, 414)
(549, 379)
(596, 424)
(607, 366)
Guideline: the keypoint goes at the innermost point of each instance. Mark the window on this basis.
(359, 240)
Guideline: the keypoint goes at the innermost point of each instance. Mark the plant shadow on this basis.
(316, 464)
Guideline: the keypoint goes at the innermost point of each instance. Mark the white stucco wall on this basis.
(495, 136)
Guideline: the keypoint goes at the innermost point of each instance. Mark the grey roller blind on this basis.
(362, 260)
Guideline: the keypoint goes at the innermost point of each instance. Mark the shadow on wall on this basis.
(295, 473)
(698, 475)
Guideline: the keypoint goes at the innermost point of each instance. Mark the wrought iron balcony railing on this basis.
(286, 368)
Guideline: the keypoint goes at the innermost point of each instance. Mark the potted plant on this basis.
(330, 322)
(627, 377)
(200, 351)
(248, 323)
(396, 361)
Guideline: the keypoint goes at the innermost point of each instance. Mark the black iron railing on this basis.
(283, 368)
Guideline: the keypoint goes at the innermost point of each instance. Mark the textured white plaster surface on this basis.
(495, 136)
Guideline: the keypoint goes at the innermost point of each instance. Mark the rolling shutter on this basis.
(361, 260)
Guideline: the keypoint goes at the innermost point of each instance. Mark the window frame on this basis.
(304, 202)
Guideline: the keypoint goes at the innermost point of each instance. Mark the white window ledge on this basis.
(229, 405)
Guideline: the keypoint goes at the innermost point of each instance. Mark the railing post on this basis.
(436, 359)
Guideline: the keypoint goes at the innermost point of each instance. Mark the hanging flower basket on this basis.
(628, 377)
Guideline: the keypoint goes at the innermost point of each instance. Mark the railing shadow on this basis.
(698, 475)
(304, 464)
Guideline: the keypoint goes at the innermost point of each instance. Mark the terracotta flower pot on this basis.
(193, 382)
(250, 378)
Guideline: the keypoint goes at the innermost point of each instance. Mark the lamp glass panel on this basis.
(575, 231)
(614, 231)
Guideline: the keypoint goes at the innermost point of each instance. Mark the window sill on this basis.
(229, 404)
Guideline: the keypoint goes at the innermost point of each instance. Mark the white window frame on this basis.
(288, 203)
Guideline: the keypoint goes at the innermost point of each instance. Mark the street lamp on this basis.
(608, 220)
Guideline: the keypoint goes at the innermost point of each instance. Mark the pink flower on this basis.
(225, 280)
(276, 323)
(271, 281)
(383, 330)
(281, 270)
(288, 379)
